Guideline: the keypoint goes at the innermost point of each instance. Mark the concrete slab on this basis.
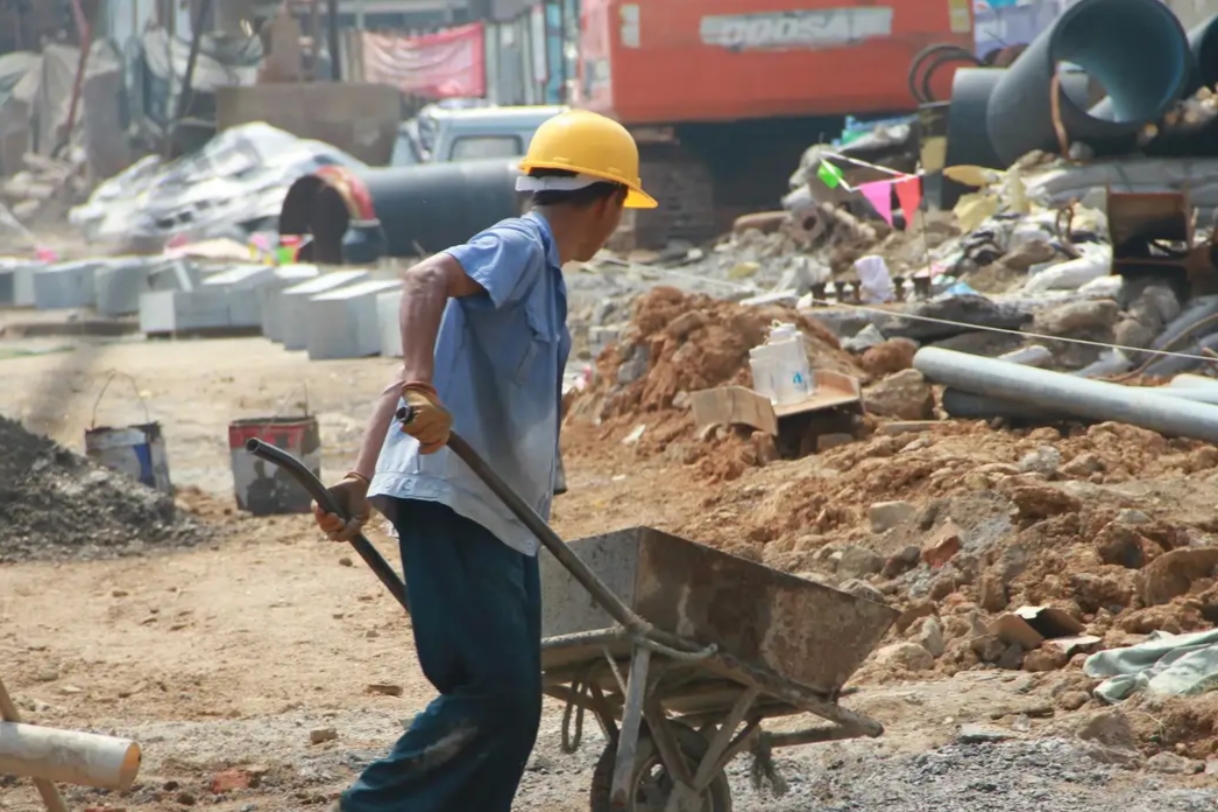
(17, 281)
(64, 286)
(293, 301)
(177, 311)
(343, 323)
(118, 284)
(269, 312)
(389, 322)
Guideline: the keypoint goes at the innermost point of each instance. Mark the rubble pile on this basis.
(45, 188)
(962, 525)
(57, 505)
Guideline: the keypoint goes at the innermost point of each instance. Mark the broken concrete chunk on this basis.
(1172, 574)
(910, 656)
(1044, 460)
(1075, 317)
(902, 562)
(857, 562)
(943, 545)
(1172, 764)
(905, 395)
(886, 515)
(931, 637)
(319, 735)
(979, 734)
(864, 590)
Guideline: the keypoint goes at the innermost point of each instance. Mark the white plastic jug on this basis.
(780, 366)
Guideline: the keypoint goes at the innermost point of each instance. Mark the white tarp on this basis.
(238, 179)
(1166, 664)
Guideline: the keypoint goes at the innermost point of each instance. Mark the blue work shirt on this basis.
(499, 362)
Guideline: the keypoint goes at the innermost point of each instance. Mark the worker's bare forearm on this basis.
(377, 427)
(426, 289)
(425, 293)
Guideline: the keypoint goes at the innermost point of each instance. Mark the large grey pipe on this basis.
(1053, 391)
(1136, 49)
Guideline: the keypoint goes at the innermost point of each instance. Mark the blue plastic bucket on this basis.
(137, 451)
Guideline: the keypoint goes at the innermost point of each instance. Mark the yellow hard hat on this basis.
(589, 144)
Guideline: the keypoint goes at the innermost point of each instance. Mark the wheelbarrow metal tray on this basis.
(803, 631)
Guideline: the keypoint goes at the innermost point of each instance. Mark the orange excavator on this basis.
(724, 96)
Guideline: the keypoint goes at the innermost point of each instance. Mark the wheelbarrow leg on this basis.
(632, 718)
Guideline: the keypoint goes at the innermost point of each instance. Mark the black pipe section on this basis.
(968, 142)
(1136, 49)
(1203, 42)
(421, 209)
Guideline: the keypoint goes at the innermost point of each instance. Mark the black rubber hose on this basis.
(297, 470)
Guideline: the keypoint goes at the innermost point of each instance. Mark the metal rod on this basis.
(297, 470)
(336, 73)
(632, 719)
(85, 33)
(719, 745)
(1099, 400)
(196, 42)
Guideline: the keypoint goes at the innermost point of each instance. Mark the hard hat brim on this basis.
(638, 199)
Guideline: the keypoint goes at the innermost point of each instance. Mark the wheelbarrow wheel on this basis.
(650, 782)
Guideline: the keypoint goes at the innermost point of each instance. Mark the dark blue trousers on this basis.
(475, 606)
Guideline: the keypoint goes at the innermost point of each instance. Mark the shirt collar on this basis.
(548, 235)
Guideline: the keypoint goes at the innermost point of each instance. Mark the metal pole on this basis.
(196, 42)
(336, 73)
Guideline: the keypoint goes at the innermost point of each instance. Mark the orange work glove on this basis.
(431, 423)
(351, 497)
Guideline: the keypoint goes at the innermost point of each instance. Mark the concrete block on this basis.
(175, 274)
(269, 312)
(390, 323)
(173, 311)
(343, 322)
(292, 302)
(64, 286)
(118, 285)
(17, 281)
(241, 285)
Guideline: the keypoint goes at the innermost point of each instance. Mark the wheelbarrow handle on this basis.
(297, 470)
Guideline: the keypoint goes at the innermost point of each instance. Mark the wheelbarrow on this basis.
(684, 667)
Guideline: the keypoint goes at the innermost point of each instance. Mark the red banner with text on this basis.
(446, 64)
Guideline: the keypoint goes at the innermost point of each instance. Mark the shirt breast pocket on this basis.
(539, 343)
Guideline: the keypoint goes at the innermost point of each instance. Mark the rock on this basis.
(979, 734)
(865, 339)
(864, 590)
(1012, 564)
(319, 735)
(1121, 545)
(902, 562)
(229, 781)
(764, 447)
(887, 515)
(1045, 658)
(857, 562)
(930, 637)
(905, 395)
(1066, 700)
(943, 545)
(913, 613)
(1083, 465)
(971, 309)
(633, 367)
(1037, 502)
(889, 357)
(1109, 728)
(384, 688)
(988, 648)
(825, 442)
(1043, 460)
(1011, 658)
(1130, 332)
(118, 593)
(1172, 764)
(1211, 766)
(1075, 317)
(909, 656)
(686, 323)
(1172, 574)
(186, 798)
(346, 561)
(992, 593)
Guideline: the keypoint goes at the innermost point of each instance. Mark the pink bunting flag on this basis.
(879, 195)
(909, 193)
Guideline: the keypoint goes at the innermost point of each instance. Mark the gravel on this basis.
(57, 505)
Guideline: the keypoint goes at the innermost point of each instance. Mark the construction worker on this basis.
(484, 341)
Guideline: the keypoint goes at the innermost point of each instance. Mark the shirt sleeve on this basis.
(504, 260)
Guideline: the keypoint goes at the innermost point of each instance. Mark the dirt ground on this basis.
(225, 656)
